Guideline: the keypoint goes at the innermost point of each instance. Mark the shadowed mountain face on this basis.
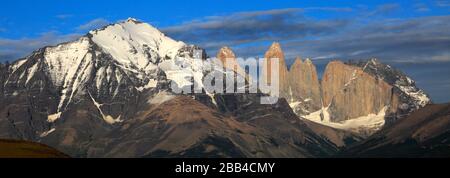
(425, 133)
(184, 127)
(111, 94)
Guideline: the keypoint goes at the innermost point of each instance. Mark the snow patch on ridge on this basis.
(364, 126)
(418, 95)
(160, 98)
(151, 84)
(31, 72)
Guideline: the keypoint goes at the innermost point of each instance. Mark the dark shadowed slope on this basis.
(26, 149)
(184, 127)
(425, 133)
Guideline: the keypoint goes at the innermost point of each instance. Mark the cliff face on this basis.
(225, 53)
(346, 91)
(304, 87)
(361, 97)
(228, 59)
(349, 92)
(276, 53)
(410, 97)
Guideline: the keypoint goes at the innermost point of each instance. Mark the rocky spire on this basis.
(227, 57)
(226, 53)
(276, 53)
(304, 87)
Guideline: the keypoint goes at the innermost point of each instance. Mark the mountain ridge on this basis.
(84, 97)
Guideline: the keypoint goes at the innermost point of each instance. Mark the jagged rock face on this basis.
(225, 53)
(410, 97)
(229, 61)
(304, 87)
(299, 86)
(276, 53)
(349, 92)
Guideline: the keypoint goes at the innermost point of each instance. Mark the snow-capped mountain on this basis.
(129, 54)
(112, 89)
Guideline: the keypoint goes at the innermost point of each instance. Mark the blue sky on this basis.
(411, 35)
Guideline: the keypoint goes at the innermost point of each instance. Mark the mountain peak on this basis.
(225, 52)
(275, 51)
(297, 61)
(275, 47)
(134, 43)
(308, 61)
(131, 19)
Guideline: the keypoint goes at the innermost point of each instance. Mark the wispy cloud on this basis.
(252, 27)
(384, 9)
(420, 7)
(412, 40)
(14, 49)
(93, 24)
(420, 39)
(443, 3)
(64, 16)
(335, 9)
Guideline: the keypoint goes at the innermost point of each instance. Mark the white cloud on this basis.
(12, 49)
(93, 24)
(63, 16)
(443, 3)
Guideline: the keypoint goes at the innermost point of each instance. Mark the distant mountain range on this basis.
(109, 94)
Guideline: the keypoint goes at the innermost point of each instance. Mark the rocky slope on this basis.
(184, 127)
(425, 133)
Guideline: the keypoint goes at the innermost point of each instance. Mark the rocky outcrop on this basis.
(410, 96)
(225, 54)
(304, 87)
(276, 53)
(349, 92)
(228, 59)
(360, 97)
